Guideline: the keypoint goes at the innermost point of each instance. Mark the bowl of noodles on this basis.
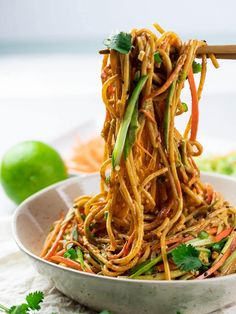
(149, 233)
(122, 294)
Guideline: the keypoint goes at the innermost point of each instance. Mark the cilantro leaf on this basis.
(19, 309)
(186, 257)
(71, 254)
(33, 303)
(203, 234)
(120, 42)
(157, 58)
(218, 246)
(34, 299)
(196, 67)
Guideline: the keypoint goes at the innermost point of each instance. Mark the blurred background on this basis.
(50, 67)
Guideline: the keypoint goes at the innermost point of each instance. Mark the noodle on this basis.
(151, 199)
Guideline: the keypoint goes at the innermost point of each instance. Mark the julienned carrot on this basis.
(50, 238)
(76, 243)
(87, 157)
(53, 248)
(209, 190)
(170, 79)
(182, 240)
(66, 261)
(61, 252)
(125, 248)
(223, 234)
(148, 115)
(145, 151)
(162, 268)
(195, 113)
(176, 241)
(221, 261)
(212, 230)
(216, 266)
(131, 238)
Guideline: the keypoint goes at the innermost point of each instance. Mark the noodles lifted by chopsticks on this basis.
(153, 218)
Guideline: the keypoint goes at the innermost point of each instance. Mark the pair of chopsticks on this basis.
(220, 51)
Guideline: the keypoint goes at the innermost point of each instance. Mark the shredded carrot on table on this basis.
(87, 156)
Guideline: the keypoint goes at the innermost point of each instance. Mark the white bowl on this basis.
(32, 222)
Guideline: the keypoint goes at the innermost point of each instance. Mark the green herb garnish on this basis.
(203, 234)
(184, 106)
(71, 254)
(120, 42)
(197, 67)
(186, 257)
(33, 301)
(157, 58)
(219, 245)
(75, 255)
(125, 123)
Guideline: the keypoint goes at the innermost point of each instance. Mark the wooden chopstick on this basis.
(220, 51)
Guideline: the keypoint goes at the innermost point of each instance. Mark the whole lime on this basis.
(29, 167)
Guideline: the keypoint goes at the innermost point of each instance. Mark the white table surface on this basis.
(42, 97)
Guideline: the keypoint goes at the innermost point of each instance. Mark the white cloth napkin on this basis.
(18, 278)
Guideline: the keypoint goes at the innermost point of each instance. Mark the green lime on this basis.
(29, 167)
